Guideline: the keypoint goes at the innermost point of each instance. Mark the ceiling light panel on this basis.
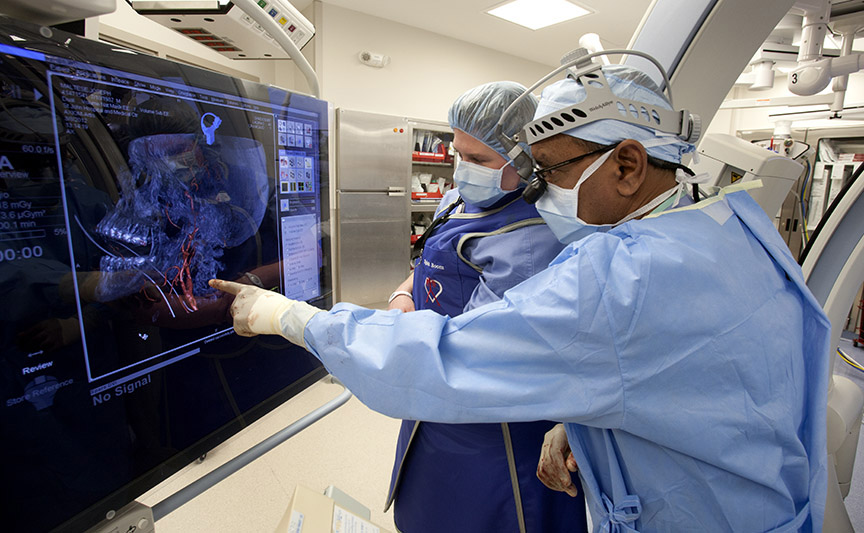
(536, 14)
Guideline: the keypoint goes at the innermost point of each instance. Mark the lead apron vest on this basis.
(472, 477)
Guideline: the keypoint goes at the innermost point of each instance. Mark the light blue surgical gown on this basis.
(684, 353)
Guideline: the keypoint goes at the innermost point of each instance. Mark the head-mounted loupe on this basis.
(600, 104)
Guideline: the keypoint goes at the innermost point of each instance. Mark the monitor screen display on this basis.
(126, 183)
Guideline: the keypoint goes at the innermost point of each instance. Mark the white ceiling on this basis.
(467, 20)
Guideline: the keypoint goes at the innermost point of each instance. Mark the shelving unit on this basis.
(432, 163)
(836, 161)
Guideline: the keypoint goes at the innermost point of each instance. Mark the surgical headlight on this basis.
(600, 104)
(534, 190)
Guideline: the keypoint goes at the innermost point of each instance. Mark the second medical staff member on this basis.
(683, 351)
(478, 477)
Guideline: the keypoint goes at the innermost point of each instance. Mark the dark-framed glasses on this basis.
(543, 173)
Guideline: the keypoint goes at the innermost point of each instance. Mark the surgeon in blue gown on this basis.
(486, 239)
(676, 341)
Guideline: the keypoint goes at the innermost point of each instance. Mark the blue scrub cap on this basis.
(478, 110)
(624, 82)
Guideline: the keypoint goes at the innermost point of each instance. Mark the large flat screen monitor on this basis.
(126, 182)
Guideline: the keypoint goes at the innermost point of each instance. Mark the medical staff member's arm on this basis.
(557, 462)
(548, 350)
(260, 312)
(508, 259)
(401, 298)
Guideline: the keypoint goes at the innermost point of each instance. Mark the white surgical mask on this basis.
(559, 207)
(479, 185)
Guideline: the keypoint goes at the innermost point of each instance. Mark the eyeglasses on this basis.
(542, 173)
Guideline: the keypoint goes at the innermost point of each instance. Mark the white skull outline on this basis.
(181, 204)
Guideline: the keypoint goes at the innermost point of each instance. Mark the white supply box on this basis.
(311, 512)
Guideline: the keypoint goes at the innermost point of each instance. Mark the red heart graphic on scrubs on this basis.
(431, 286)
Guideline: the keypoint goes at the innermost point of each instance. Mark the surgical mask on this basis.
(559, 207)
(479, 185)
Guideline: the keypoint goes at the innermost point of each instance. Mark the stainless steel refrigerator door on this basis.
(373, 151)
(373, 246)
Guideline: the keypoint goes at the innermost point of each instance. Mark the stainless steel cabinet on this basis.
(373, 168)
(373, 246)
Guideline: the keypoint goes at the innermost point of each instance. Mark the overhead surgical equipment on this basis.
(729, 160)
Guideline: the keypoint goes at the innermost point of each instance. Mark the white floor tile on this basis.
(352, 448)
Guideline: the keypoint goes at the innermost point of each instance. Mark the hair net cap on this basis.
(478, 110)
(624, 82)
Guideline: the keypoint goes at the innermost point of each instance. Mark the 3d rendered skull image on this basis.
(181, 204)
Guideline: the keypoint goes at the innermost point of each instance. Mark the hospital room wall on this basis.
(427, 71)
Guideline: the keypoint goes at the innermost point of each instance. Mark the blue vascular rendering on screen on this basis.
(126, 183)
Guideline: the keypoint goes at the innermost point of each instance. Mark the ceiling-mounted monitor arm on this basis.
(814, 72)
(272, 27)
(847, 32)
(838, 86)
(814, 27)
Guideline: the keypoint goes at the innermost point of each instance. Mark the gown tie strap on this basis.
(618, 515)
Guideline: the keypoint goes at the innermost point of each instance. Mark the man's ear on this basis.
(631, 167)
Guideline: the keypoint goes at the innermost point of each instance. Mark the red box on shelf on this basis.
(425, 195)
(431, 157)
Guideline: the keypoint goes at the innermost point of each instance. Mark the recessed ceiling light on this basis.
(536, 14)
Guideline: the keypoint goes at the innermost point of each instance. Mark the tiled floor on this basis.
(352, 448)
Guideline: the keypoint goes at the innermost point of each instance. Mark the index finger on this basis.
(226, 286)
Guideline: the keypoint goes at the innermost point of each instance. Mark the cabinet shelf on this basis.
(431, 163)
(424, 207)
